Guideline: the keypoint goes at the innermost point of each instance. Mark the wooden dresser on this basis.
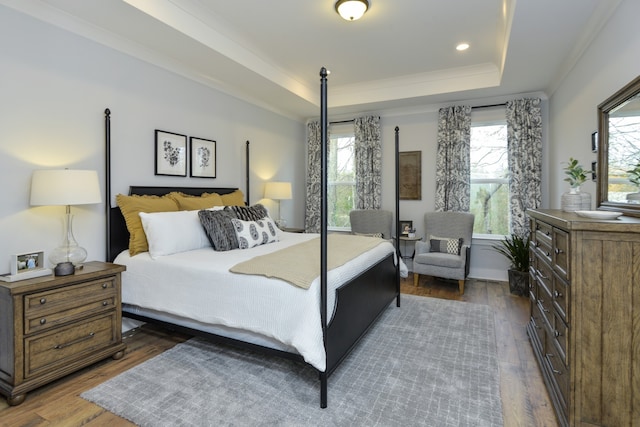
(52, 326)
(585, 316)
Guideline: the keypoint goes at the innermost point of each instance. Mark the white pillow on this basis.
(172, 232)
(254, 233)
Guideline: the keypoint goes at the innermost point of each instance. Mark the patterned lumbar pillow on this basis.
(254, 233)
(445, 245)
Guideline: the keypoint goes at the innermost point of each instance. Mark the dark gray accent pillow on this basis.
(219, 229)
(248, 213)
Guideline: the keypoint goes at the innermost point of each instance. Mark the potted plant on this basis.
(574, 200)
(576, 174)
(516, 249)
(634, 178)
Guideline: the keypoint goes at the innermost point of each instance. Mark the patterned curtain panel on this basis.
(524, 136)
(312, 214)
(368, 152)
(453, 164)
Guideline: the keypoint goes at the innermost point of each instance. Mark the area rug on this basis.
(431, 362)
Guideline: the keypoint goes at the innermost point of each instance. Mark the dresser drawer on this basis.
(543, 233)
(45, 310)
(538, 325)
(559, 374)
(57, 348)
(560, 335)
(561, 253)
(561, 297)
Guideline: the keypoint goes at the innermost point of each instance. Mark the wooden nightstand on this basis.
(52, 326)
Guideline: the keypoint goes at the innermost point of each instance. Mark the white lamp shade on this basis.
(65, 187)
(352, 10)
(277, 190)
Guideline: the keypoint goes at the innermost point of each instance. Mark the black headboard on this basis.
(118, 238)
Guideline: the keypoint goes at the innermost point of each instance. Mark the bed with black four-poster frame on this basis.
(358, 302)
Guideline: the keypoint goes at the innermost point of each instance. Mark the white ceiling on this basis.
(401, 54)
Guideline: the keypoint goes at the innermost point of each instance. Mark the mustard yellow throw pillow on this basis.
(233, 199)
(131, 206)
(187, 202)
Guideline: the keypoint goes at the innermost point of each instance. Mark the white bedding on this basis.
(197, 285)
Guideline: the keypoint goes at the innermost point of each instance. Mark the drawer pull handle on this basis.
(556, 333)
(547, 232)
(104, 286)
(43, 300)
(70, 343)
(558, 251)
(554, 370)
(546, 253)
(557, 294)
(43, 321)
(105, 303)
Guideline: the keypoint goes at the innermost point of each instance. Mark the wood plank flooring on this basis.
(525, 401)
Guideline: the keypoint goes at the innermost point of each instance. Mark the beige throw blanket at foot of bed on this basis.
(300, 264)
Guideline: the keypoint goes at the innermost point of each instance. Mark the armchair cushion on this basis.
(439, 259)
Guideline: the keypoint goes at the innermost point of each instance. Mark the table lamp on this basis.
(65, 188)
(278, 191)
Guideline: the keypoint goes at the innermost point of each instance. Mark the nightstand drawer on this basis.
(48, 351)
(45, 310)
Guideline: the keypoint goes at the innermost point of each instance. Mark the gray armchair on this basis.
(371, 221)
(446, 248)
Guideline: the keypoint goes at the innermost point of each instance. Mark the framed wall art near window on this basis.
(203, 158)
(410, 175)
(594, 142)
(171, 153)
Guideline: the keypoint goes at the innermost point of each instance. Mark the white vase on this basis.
(574, 200)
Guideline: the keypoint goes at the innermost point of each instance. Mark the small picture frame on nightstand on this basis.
(29, 262)
(26, 266)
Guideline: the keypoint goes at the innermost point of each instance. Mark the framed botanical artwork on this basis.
(203, 158)
(594, 142)
(171, 153)
(410, 168)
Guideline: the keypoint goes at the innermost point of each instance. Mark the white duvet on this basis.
(197, 285)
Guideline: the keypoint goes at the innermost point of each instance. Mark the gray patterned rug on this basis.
(429, 363)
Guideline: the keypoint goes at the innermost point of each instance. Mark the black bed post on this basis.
(397, 160)
(247, 177)
(323, 229)
(107, 179)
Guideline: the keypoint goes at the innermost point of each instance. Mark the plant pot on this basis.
(575, 200)
(518, 282)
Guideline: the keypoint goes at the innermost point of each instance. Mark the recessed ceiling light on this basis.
(462, 46)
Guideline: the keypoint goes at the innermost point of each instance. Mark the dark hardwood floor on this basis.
(525, 401)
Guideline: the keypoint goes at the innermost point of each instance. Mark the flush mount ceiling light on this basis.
(462, 46)
(351, 10)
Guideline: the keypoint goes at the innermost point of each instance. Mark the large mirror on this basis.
(619, 151)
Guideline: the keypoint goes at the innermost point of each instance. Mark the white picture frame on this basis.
(27, 262)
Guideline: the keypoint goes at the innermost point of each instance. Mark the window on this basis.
(489, 176)
(341, 177)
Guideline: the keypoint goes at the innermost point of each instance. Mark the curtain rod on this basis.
(489, 106)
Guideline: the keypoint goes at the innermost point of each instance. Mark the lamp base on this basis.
(64, 269)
